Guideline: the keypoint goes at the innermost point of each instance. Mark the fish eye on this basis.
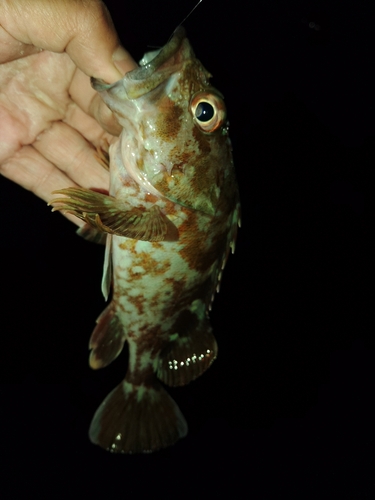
(208, 110)
(204, 111)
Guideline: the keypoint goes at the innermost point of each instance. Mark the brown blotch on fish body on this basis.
(137, 301)
(168, 123)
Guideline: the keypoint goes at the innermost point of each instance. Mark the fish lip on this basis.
(144, 78)
(166, 52)
(147, 77)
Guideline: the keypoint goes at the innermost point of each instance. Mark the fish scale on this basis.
(171, 218)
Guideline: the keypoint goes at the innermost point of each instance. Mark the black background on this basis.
(287, 408)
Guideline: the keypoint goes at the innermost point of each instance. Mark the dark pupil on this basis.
(204, 111)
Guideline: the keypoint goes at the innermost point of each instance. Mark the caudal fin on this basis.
(137, 419)
(187, 357)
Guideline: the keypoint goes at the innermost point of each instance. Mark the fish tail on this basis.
(137, 419)
(187, 356)
(107, 340)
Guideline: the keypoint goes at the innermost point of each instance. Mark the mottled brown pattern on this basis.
(149, 342)
(176, 287)
(168, 123)
(200, 256)
(194, 78)
(193, 171)
(144, 260)
(150, 198)
(128, 245)
(138, 301)
(181, 158)
(150, 265)
(203, 142)
(155, 301)
(208, 177)
(137, 376)
(118, 306)
(201, 291)
(133, 275)
(197, 250)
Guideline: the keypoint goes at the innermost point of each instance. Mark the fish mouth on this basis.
(152, 62)
(155, 67)
(158, 65)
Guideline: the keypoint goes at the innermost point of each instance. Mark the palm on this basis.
(48, 134)
(51, 120)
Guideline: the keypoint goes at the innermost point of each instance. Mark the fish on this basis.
(170, 219)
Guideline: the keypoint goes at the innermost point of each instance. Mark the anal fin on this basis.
(107, 340)
(137, 419)
(187, 357)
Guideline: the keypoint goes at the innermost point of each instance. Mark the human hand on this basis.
(51, 120)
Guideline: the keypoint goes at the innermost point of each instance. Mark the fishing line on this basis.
(184, 19)
(174, 31)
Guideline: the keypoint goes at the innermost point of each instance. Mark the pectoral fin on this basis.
(109, 215)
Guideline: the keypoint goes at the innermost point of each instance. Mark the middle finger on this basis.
(72, 154)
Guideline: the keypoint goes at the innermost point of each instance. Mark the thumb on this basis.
(81, 28)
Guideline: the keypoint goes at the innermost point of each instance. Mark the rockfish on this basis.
(170, 218)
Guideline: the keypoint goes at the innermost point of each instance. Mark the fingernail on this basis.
(122, 60)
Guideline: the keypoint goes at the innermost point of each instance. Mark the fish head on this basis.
(175, 141)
